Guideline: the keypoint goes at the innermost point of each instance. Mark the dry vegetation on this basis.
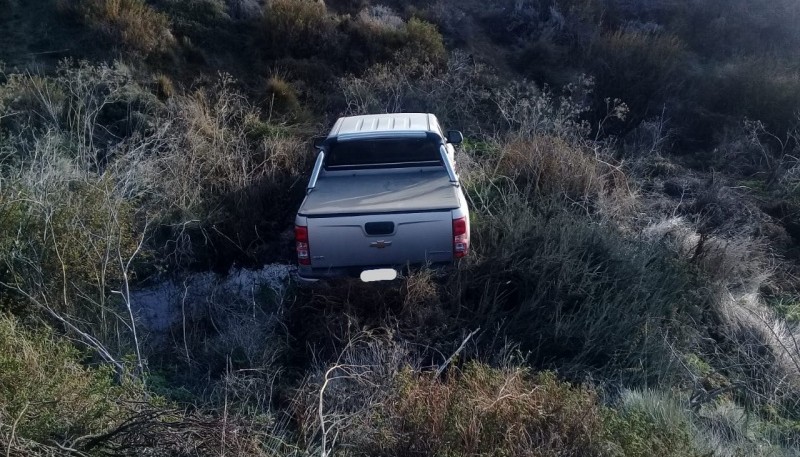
(133, 24)
(632, 170)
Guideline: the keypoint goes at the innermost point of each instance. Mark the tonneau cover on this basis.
(381, 193)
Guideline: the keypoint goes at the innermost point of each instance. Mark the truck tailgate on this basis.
(380, 239)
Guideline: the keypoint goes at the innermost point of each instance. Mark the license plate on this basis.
(382, 274)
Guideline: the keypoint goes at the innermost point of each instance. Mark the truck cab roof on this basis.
(376, 125)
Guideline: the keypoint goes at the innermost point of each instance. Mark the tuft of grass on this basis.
(164, 87)
(652, 423)
(548, 165)
(281, 95)
(788, 308)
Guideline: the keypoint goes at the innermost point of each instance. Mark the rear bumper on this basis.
(308, 273)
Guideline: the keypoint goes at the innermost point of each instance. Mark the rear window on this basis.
(384, 152)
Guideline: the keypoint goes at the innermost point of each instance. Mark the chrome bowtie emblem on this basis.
(380, 244)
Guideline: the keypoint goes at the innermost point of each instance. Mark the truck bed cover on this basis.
(381, 193)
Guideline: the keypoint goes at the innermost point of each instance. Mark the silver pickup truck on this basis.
(383, 194)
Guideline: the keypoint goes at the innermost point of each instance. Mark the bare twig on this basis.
(14, 428)
(455, 354)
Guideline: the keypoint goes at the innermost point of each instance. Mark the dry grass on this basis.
(336, 399)
(222, 173)
(420, 289)
(132, 23)
(369, 401)
(488, 411)
(165, 88)
(455, 95)
(754, 350)
(281, 95)
(736, 262)
(550, 165)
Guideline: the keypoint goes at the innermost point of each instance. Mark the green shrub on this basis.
(13, 219)
(379, 36)
(64, 243)
(49, 399)
(375, 35)
(424, 42)
(46, 391)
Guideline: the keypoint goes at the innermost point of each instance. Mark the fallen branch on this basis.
(455, 354)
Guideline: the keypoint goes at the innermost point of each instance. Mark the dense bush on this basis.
(301, 29)
(764, 89)
(49, 401)
(724, 29)
(642, 69)
(69, 225)
(575, 293)
(375, 34)
(304, 29)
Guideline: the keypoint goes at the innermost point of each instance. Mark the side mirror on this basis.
(454, 137)
(318, 141)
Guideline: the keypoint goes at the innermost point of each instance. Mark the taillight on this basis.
(301, 245)
(460, 237)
